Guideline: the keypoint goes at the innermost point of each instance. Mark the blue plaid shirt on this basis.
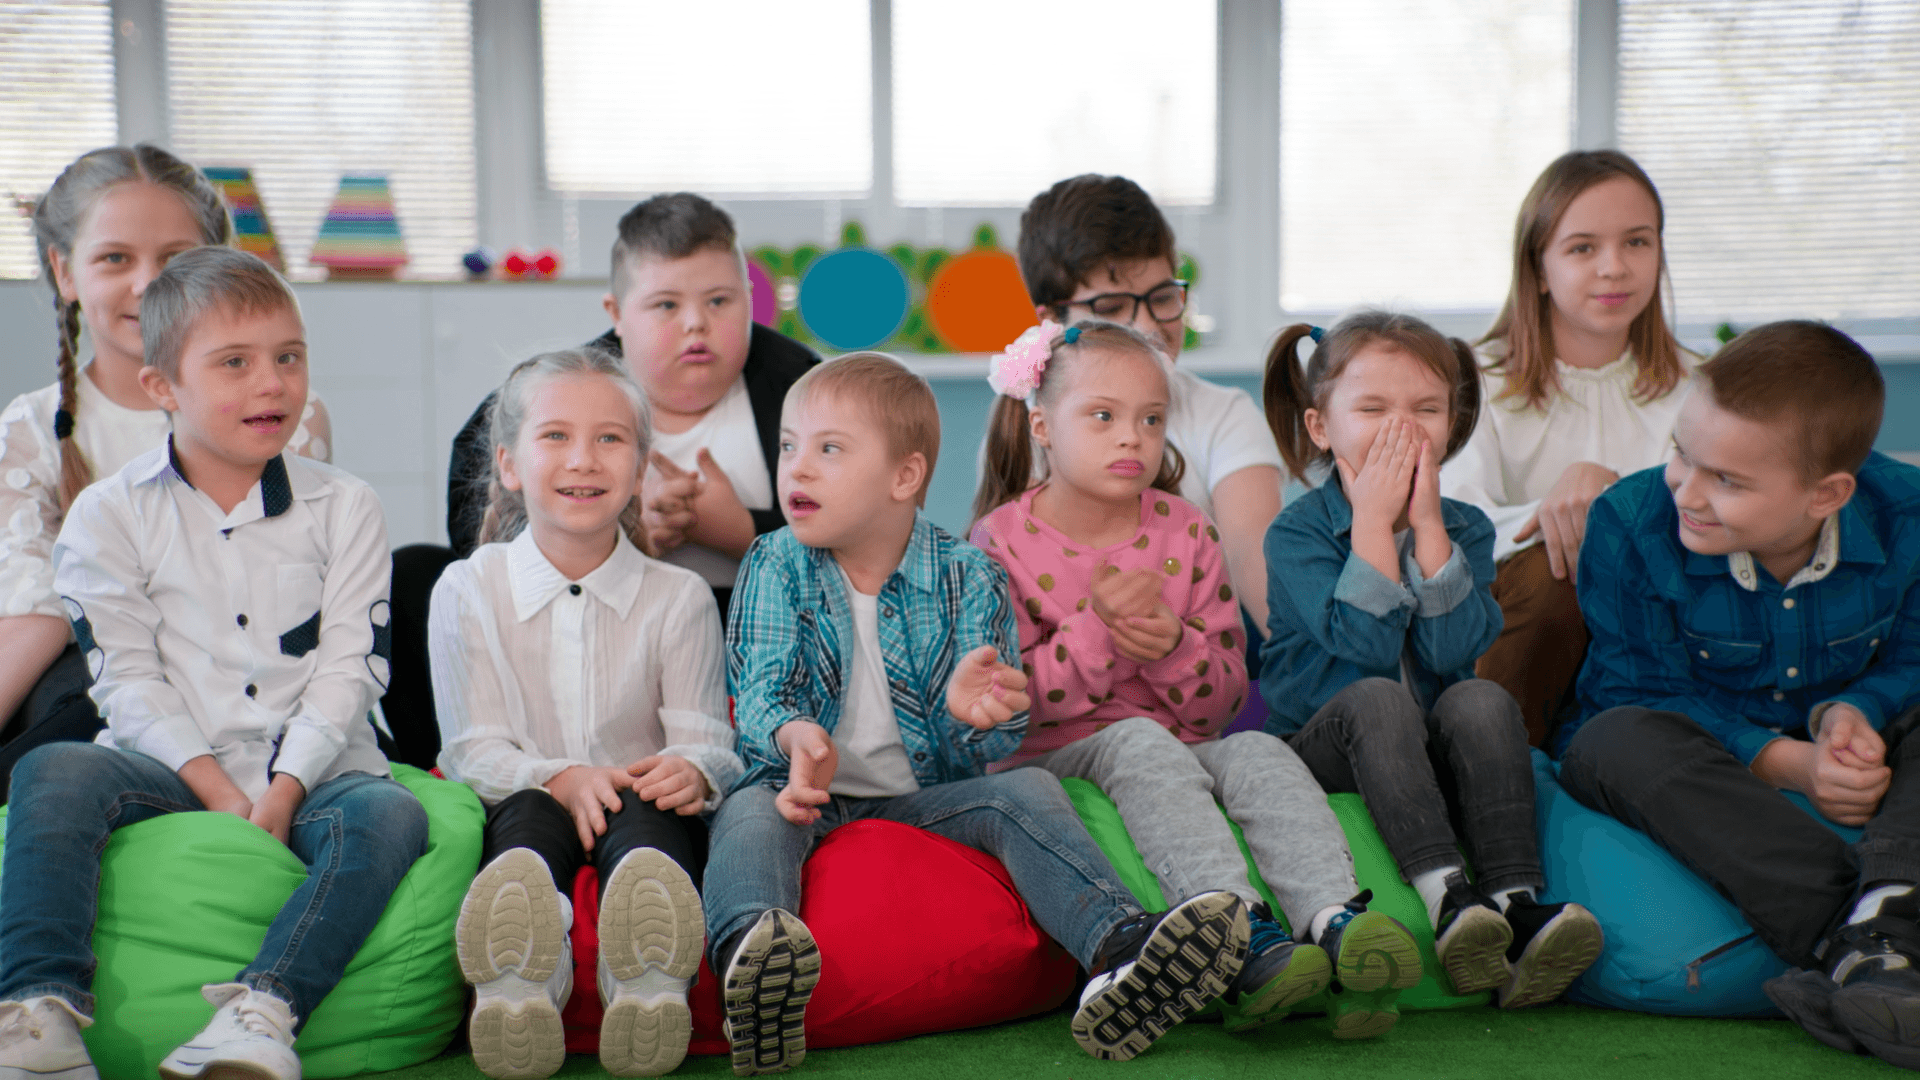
(789, 649)
(1749, 659)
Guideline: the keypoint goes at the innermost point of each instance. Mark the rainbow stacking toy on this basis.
(251, 231)
(361, 237)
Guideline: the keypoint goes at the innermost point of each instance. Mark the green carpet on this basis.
(1560, 1042)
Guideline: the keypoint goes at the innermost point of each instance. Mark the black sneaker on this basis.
(1552, 945)
(1471, 938)
(764, 994)
(1279, 974)
(1374, 958)
(1188, 960)
(1873, 966)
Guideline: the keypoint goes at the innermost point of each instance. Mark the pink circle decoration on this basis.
(766, 305)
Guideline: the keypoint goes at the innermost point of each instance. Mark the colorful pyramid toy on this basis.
(361, 236)
(251, 231)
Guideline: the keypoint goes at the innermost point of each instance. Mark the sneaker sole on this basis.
(1364, 1015)
(1807, 999)
(768, 985)
(651, 929)
(510, 921)
(1306, 974)
(1886, 1022)
(1185, 964)
(1568, 945)
(1377, 954)
(1474, 955)
(518, 1040)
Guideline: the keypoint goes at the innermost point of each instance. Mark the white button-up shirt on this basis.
(259, 636)
(533, 673)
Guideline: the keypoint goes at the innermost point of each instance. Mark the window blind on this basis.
(1785, 140)
(994, 107)
(302, 93)
(56, 103)
(727, 96)
(1409, 131)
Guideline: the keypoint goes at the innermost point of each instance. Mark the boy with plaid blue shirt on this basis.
(1756, 627)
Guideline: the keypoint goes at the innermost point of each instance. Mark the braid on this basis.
(75, 472)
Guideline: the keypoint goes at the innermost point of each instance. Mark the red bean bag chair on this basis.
(917, 934)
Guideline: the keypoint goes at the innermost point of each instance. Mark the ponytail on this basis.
(75, 472)
(1287, 397)
(1008, 471)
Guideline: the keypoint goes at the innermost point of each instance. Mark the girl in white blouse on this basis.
(104, 229)
(580, 690)
(1582, 380)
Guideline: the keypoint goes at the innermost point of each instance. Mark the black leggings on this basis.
(57, 709)
(535, 820)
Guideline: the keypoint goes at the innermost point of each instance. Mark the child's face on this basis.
(577, 460)
(1737, 488)
(1603, 261)
(684, 326)
(241, 385)
(1381, 384)
(123, 242)
(1106, 430)
(1139, 277)
(838, 477)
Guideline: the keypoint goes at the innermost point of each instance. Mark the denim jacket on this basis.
(789, 649)
(1333, 619)
(1745, 657)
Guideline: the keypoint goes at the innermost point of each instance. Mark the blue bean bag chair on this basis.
(1674, 944)
(185, 900)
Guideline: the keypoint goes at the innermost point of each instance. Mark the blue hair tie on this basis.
(1072, 335)
(1316, 334)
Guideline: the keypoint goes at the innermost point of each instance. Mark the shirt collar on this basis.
(919, 566)
(278, 485)
(615, 583)
(1826, 556)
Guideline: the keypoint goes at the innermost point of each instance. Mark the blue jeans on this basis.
(358, 835)
(1021, 817)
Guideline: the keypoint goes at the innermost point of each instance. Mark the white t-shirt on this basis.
(728, 433)
(873, 761)
(1517, 453)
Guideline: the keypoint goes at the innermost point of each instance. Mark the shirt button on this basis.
(922, 756)
(1875, 643)
(1793, 673)
(242, 620)
(1703, 654)
(1787, 603)
(1778, 696)
(252, 690)
(887, 611)
(574, 589)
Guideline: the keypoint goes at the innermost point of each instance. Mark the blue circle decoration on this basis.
(854, 298)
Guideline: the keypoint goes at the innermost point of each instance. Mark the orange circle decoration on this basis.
(977, 302)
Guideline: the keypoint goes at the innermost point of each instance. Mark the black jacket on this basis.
(774, 363)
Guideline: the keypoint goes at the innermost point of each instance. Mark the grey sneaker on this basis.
(1189, 958)
(764, 994)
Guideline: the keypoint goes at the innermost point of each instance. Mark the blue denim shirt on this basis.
(1679, 631)
(789, 649)
(1334, 620)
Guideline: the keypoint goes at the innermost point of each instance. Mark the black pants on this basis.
(535, 820)
(57, 709)
(408, 702)
(1420, 772)
(1791, 876)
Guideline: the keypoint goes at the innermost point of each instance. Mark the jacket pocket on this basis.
(1847, 656)
(1720, 654)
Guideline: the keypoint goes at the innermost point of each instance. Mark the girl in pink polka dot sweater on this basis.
(1131, 635)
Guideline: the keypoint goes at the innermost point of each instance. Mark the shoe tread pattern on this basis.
(1305, 975)
(650, 916)
(520, 1040)
(765, 995)
(1376, 954)
(509, 921)
(1474, 952)
(1188, 961)
(1568, 945)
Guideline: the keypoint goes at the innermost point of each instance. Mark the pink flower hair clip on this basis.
(1016, 372)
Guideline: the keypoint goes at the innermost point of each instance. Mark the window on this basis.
(723, 96)
(994, 105)
(302, 93)
(1786, 149)
(56, 103)
(1409, 131)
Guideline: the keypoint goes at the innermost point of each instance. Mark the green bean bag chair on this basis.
(1372, 864)
(185, 900)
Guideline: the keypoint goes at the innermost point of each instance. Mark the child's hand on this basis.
(985, 693)
(814, 760)
(1146, 638)
(274, 812)
(214, 788)
(589, 793)
(1117, 594)
(1848, 779)
(667, 503)
(670, 782)
(720, 519)
(1432, 547)
(1380, 488)
(1561, 521)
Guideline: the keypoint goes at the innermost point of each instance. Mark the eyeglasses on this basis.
(1165, 303)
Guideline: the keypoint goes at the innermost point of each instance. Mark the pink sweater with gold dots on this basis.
(1081, 682)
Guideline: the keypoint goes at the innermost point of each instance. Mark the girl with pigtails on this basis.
(104, 230)
(1379, 603)
(1132, 637)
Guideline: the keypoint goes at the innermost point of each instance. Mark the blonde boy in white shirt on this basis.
(231, 601)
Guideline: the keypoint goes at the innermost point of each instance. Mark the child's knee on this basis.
(60, 766)
(1482, 708)
(1033, 790)
(1385, 709)
(1623, 741)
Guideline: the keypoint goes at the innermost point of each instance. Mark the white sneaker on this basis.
(651, 934)
(514, 948)
(250, 1036)
(40, 1040)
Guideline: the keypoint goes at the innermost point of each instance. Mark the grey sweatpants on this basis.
(1166, 790)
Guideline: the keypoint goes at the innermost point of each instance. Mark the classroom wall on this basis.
(401, 365)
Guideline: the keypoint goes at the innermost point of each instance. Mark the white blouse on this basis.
(1517, 453)
(110, 435)
(533, 673)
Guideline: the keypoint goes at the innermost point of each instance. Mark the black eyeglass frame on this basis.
(1138, 299)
